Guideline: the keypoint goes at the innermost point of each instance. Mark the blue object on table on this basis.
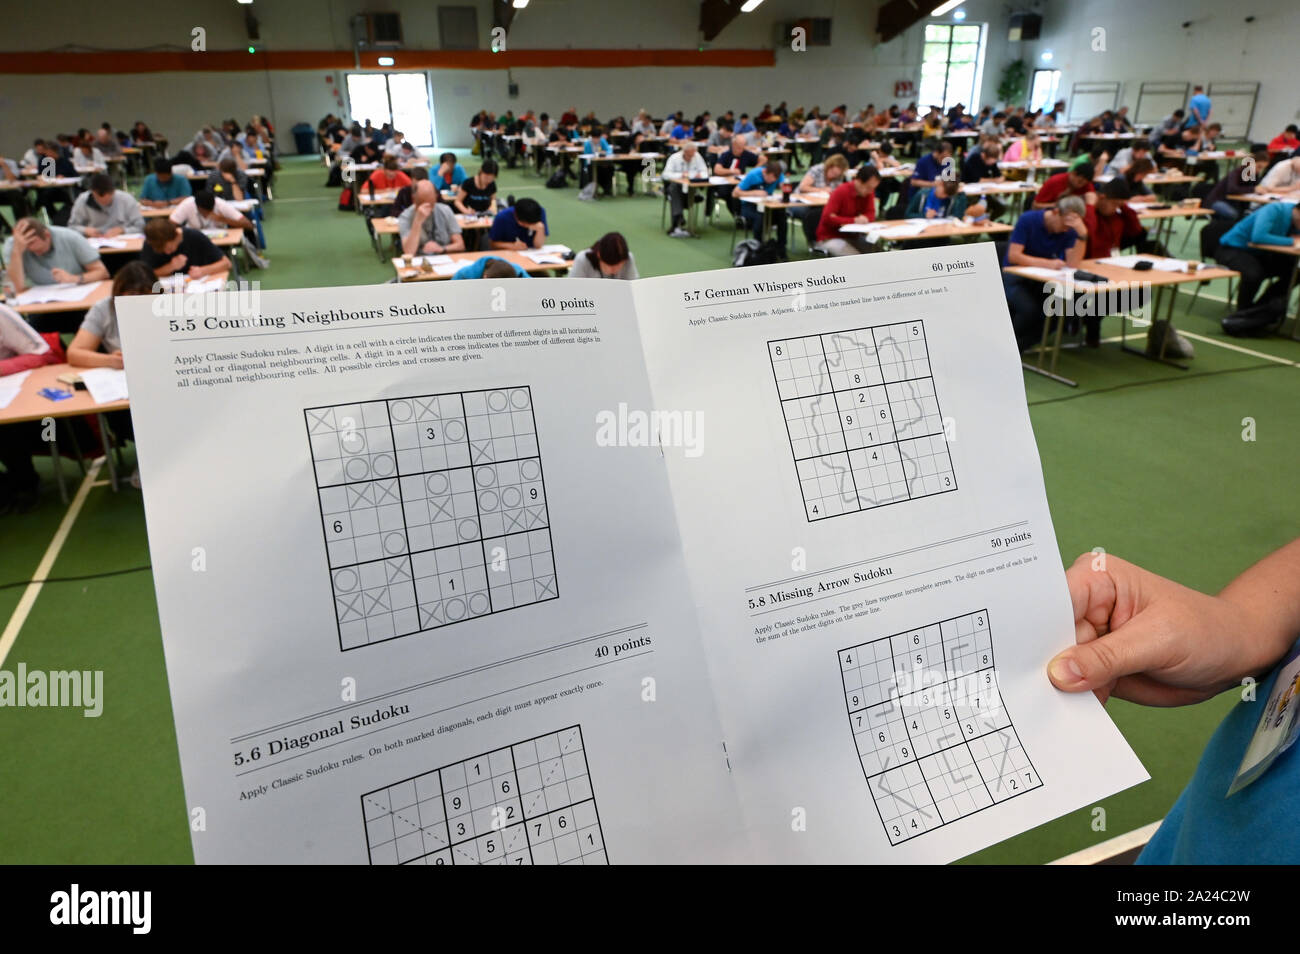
(54, 394)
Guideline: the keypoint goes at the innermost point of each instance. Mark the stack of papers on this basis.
(448, 268)
(106, 385)
(199, 285)
(419, 260)
(542, 257)
(117, 241)
(68, 291)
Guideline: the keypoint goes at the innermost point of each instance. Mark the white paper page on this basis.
(11, 385)
(805, 552)
(304, 600)
(448, 268)
(105, 385)
(67, 291)
(1048, 274)
(120, 241)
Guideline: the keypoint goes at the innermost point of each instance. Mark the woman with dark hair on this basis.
(608, 258)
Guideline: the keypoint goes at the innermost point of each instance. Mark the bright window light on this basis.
(945, 7)
(385, 61)
(244, 2)
(520, 4)
(749, 6)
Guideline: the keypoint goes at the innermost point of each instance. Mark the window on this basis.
(951, 65)
(398, 98)
(1042, 91)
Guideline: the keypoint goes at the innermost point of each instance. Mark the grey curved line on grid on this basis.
(901, 357)
(853, 342)
(918, 415)
(847, 495)
(904, 460)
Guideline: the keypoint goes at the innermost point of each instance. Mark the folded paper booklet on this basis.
(735, 566)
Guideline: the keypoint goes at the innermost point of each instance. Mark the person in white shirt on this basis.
(1283, 177)
(686, 163)
(641, 126)
(205, 211)
(86, 158)
(32, 157)
(394, 146)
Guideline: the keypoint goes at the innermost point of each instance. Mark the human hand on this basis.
(115, 360)
(1149, 640)
(92, 233)
(110, 233)
(178, 262)
(22, 236)
(59, 275)
(424, 210)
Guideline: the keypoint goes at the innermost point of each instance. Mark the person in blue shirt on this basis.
(598, 145)
(1274, 224)
(681, 132)
(760, 183)
(161, 188)
(1042, 238)
(489, 266)
(1151, 641)
(1198, 108)
(449, 174)
(930, 168)
(520, 226)
(743, 126)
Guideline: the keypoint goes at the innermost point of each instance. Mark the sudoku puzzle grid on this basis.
(863, 418)
(433, 508)
(526, 804)
(933, 736)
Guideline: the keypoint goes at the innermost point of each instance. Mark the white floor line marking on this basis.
(1110, 848)
(28, 599)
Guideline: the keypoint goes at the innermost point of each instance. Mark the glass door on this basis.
(398, 98)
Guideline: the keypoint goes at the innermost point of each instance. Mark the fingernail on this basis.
(1065, 671)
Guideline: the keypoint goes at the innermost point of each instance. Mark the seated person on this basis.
(104, 211)
(822, 177)
(170, 249)
(203, 210)
(946, 200)
(1028, 148)
(520, 226)
(851, 203)
(1043, 238)
(931, 167)
(450, 174)
(761, 183)
(98, 344)
(736, 161)
(1281, 179)
(87, 158)
(429, 226)
(405, 195)
(477, 195)
(388, 177)
(490, 267)
(162, 187)
(40, 254)
(685, 164)
(608, 258)
(229, 182)
(1125, 157)
(393, 146)
(1075, 181)
(22, 348)
(1241, 180)
(1286, 141)
(1136, 173)
(1273, 224)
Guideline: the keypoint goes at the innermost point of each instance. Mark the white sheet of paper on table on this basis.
(447, 268)
(106, 385)
(10, 387)
(68, 291)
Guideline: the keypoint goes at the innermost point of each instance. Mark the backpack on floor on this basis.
(753, 252)
(558, 180)
(346, 199)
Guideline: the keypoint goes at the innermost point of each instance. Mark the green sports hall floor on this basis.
(1143, 460)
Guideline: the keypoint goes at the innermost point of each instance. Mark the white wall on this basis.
(1144, 42)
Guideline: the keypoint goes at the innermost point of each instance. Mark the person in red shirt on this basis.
(570, 117)
(389, 177)
(1288, 141)
(852, 203)
(1112, 225)
(1075, 181)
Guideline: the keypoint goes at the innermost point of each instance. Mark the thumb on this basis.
(1098, 663)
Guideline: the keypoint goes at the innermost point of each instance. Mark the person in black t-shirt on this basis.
(477, 194)
(170, 249)
(736, 161)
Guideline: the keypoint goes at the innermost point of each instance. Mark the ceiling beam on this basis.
(715, 15)
(897, 15)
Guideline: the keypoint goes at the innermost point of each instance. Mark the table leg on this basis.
(108, 451)
(56, 460)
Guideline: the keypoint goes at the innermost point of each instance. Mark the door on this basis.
(398, 98)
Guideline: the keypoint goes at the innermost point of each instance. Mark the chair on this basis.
(1213, 231)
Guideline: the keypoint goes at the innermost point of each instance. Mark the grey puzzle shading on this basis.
(434, 510)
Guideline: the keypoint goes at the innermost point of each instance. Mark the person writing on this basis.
(40, 254)
(429, 227)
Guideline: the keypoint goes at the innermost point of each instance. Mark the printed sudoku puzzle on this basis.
(525, 804)
(433, 508)
(933, 735)
(863, 418)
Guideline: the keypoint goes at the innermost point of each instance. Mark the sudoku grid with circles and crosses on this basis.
(932, 733)
(862, 417)
(530, 803)
(433, 509)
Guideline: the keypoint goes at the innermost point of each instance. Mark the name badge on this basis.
(1279, 724)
